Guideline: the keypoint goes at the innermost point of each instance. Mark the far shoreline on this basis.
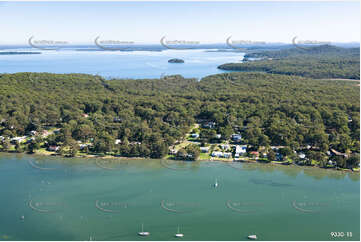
(105, 157)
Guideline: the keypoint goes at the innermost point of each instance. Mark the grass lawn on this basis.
(204, 156)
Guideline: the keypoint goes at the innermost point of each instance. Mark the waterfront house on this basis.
(17, 139)
(240, 150)
(217, 154)
(301, 155)
(53, 148)
(254, 154)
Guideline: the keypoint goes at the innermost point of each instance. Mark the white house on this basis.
(217, 154)
(302, 155)
(240, 150)
(195, 135)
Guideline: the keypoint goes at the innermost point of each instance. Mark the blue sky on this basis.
(81, 22)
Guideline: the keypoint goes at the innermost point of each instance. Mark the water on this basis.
(121, 64)
(75, 199)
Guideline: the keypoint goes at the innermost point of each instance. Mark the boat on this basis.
(216, 183)
(22, 217)
(178, 234)
(253, 237)
(143, 233)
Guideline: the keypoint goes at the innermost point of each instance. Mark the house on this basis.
(204, 149)
(82, 146)
(254, 154)
(53, 148)
(217, 154)
(218, 136)
(237, 137)
(225, 146)
(221, 154)
(17, 139)
(227, 155)
(301, 155)
(209, 125)
(118, 141)
(195, 135)
(240, 150)
(84, 115)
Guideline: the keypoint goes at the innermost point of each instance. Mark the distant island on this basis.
(175, 60)
(19, 53)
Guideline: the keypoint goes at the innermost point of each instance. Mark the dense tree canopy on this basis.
(147, 116)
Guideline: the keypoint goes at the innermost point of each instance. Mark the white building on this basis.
(240, 150)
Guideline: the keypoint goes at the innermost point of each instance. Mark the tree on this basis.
(353, 161)
(271, 156)
(193, 151)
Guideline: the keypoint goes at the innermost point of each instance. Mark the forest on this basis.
(315, 62)
(144, 117)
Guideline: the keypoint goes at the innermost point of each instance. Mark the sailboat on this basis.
(143, 233)
(216, 183)
(253, 237)
(178, 234)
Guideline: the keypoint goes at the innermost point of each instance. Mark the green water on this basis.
(79, 199)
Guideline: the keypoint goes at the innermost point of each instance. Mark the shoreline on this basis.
(48, 153)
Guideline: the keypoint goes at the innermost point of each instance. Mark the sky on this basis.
(206, 22)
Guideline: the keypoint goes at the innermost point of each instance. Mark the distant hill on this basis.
(324, 61)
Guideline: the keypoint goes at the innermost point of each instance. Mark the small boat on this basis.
(143, 233)
(178, 234)
(216, 183)
(22, 217)
(253, 237)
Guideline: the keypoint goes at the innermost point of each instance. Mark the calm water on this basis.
(75, 199)
(126, 64)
